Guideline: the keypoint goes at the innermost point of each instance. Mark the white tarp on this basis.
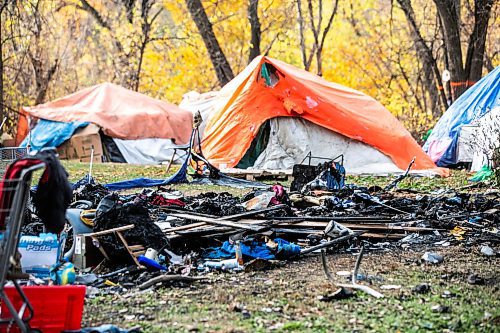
(148, 151)
(291, 139)
(478, 140)
(194, 101)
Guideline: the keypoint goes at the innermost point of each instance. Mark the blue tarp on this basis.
(473, 104)
(48, 133)
(179, 177)
(253, 250)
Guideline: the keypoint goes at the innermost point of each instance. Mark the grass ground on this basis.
(111, 172)
(286, 298)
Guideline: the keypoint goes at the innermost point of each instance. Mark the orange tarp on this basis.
(121, 113)
(247, 102)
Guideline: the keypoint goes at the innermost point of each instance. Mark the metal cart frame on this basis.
(20, 189)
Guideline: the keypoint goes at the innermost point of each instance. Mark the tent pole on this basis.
(91, 161)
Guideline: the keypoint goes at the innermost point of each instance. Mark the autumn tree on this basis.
(255, 29)
(132, 26)
(3, 5)
(319, 31)
(28, 64)
(465, 71)
(217, 56)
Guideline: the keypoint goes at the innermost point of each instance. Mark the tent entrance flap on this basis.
(111, 150)
(270, 74)
(259, 144)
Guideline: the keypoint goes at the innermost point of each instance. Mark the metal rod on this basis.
(330, 243)
(91, 162)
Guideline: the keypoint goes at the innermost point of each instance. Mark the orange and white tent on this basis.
(304, 113)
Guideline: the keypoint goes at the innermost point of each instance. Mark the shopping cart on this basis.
(14, 192)
(13, 153)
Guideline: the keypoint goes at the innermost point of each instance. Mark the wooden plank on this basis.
(383, 236)
(225, 218)
(364, 219)
(185, 227)
(252, 174)
(228, 217)
(225, 223)
(136, 247)
(322, 225)
(105, 232)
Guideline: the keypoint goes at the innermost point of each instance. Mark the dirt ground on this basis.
(287, 298)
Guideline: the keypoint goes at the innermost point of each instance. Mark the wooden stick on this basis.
(105, 232)
(126, 248)
(223, 218)
(220, 222)
(165, 278)
(185, 227)
(362, 287)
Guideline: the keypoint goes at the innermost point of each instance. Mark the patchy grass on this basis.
(111, 172)
(286, 299)
(458, 178)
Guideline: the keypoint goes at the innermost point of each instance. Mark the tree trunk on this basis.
(321, 43)
(432, 77)
(253, 17)
(447, 10)
(42, 80)
(221, 65)
(477, 41)
(462, 77)
(303, 50)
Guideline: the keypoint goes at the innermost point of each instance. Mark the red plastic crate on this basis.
(56, 308)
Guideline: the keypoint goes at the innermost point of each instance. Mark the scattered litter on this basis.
(109, 329)
(475, 279)
(441, 308)
(138, 242)
(432, 258)
(390, 287)
(487, 251)
(341, 293)
(448, 294)
(423, 288)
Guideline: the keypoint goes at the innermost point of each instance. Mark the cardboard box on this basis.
(79, 146)
(9, 143)
(62, 150)
(86, 253)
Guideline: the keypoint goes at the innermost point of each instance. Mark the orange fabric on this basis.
(22, 129)
(121, 113)
(246, 103)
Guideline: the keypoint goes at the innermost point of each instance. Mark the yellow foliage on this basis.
(368, 48)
